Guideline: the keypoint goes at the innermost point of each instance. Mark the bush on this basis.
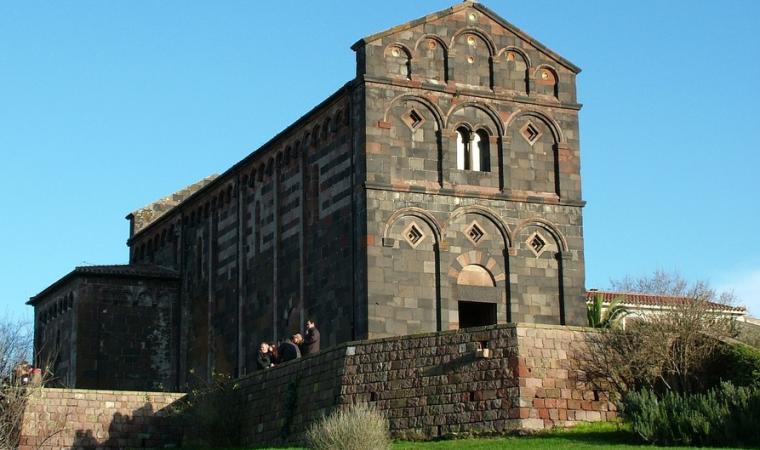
(208, 415)
(361, 427)
(741, 364)
(725, 415)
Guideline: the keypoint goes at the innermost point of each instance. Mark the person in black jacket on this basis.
(289, 349)
(264, 358)
(311, 339)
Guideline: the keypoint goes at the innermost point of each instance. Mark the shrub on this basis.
(673, 349)
(360, 427)
(725, 415)
(741, 364)
(208, 415)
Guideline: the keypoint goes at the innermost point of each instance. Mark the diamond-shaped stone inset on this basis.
(530, 133)
(475, 233)
(536, 243)
(413, 235)
(413, 119)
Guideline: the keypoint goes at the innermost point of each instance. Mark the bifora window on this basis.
(473, 150)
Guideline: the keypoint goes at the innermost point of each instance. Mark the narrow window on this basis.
(473, 150)
(482, 142)
(463, 149)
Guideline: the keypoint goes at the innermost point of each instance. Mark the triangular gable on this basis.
(456, 8)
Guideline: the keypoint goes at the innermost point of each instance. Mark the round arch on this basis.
(503, 228)
(477, 32)
(400, 46)
(414, 212)
(550, 122)
(546, 225)
(433, 37)
(549, 67)
(524, 55)
(481, 106)
(423, 101)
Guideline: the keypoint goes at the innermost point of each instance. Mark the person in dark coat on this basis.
(310, 344)
(289, 349)
(274, 354)
(264, 358)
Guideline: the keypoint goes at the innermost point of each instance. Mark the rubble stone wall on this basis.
(433, 384)
(81, 418)
(428, 385)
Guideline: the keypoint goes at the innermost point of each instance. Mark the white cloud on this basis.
(746, 286)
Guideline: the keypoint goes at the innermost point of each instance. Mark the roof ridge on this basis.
(632, 297)
(647, 294)
(483, 9)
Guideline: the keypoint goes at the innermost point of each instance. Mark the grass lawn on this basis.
(589, 436)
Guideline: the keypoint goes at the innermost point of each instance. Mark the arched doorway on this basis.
(477, 297)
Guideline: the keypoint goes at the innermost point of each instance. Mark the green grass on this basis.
(587, 436)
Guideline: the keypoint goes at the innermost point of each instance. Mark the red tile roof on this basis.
(640, 299)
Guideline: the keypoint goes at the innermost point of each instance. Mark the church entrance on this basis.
(476, 314)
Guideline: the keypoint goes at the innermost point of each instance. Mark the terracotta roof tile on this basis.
(637, 298)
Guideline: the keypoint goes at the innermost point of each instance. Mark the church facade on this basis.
(439, 189)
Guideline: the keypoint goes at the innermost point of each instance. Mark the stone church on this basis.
(438, 189)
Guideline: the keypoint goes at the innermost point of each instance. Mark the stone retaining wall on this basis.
(429, 385)
(433, 384)
(80, 418)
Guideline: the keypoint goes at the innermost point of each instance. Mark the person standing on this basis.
(264, 358)
(311, 339)
(289, 349)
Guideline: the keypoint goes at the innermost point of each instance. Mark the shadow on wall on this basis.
(145, 428)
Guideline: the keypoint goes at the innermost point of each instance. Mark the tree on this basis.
(15, 349)
(669, 350)
(600, 316)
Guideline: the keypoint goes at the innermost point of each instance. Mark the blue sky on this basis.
(107, 106)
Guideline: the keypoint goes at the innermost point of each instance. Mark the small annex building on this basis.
(438, 189)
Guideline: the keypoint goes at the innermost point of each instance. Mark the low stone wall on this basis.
(428, 385)
(88, 419)
(551, 393)
(432, 384)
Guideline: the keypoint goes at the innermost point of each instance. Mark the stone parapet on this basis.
(82, 418)
(428, 385)
(433, 384)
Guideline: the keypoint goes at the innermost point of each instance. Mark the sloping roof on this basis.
(458, 7)
(261, 152)
(140, 270)
(150, 213)
(119, 270)
(639, 299)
